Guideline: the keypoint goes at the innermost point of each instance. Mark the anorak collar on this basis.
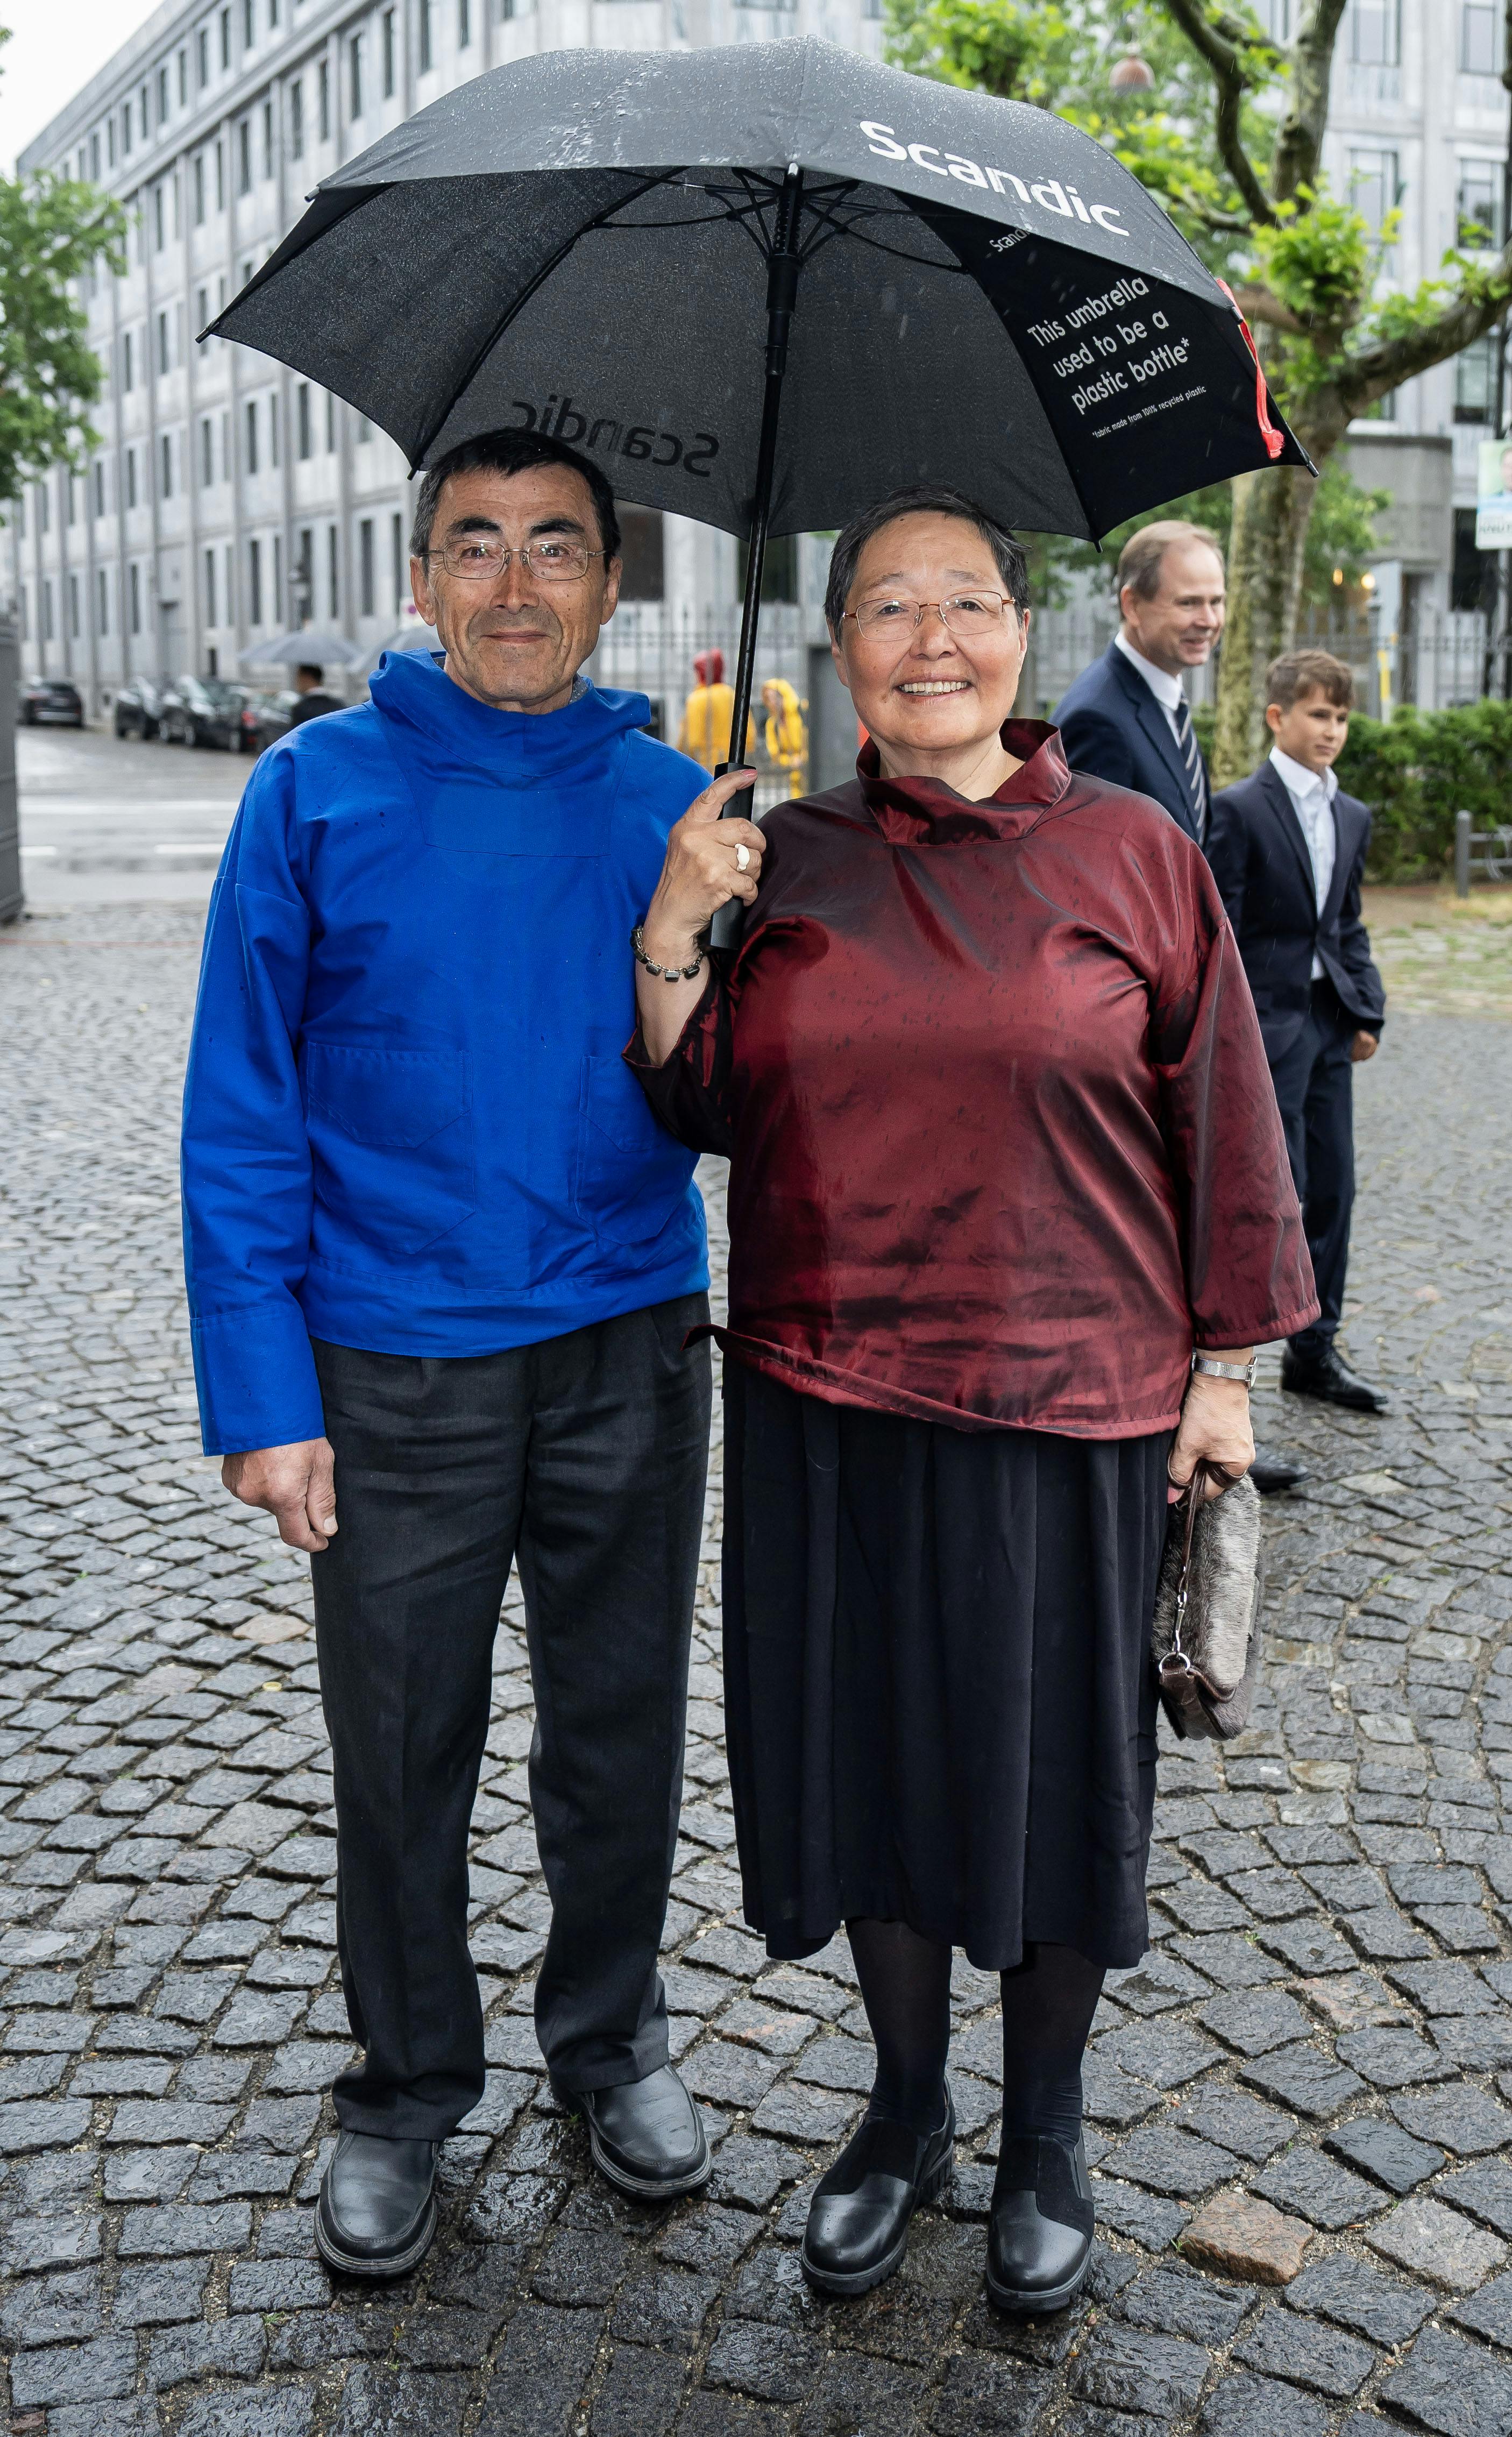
(512, 748)
(925, 811)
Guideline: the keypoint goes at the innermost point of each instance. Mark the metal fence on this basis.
(11, 897)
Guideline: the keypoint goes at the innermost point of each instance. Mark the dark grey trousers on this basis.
(585, 1456)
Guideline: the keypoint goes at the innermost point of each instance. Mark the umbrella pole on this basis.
(782, 295)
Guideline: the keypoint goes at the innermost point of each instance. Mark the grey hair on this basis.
(927, 499)
(512, 452)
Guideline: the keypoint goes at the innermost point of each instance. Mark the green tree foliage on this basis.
(52, 233)
(1416, 772)
(1229, 138)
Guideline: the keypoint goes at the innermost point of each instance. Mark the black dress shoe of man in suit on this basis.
(857, 2228)
(1333, 1380)
(1039, 2235)
(377, 2212)
(1272, 1474)
(647, 2137)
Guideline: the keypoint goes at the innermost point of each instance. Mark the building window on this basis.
(273, 14)
(364, 566)
(244, 157)
(249, 24)
(397, 569)
(166, 471)
(323, 83)
(210, 618)
(46, 609)
(94, 156)
(1374, 187)
(251, 435)
(220, 175)
(183, 80)
(206, 453)
(1480, 202)
(162, 94)
(388, 54)
(25, 616)
(1481, 30)
(110, 139)
(165, 357)
(74, 627)
(364, 432)
(197, 189)
(102, 601)
(273, 428)
(136, 598)
(296, 123)
(225, 451)
(254, 583)
(99, 486)
(303, 604)
(266, 139)
(229, 612)
(1475, 381)
(44, 508)
(354, 56)
(225, 38)
(333, 588)
(128, 368)
(464, 23)
(70, 499)
(201, 307)
(302, 439)
(131, 478)
(330, 424)
(277, 594)
(426, 59)
(126, 127)
(1375, 33)
(159, 231)
(202, 57)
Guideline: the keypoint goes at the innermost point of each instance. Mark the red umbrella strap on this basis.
(1275, 441)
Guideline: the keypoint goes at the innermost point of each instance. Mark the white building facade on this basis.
(230, 501)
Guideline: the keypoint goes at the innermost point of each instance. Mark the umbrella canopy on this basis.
(598, 245)
(308, 647)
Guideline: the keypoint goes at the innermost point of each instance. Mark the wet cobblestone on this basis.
(1324, 2020)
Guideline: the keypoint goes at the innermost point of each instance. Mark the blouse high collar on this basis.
(925, 811)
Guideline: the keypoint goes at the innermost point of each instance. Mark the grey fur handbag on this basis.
(1205, 1639)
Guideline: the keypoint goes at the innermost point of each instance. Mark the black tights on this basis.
(1049, 2002)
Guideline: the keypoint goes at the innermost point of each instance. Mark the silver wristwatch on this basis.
(1214, 1370)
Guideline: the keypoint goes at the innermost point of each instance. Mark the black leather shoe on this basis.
(1332, 1379)
(857, 2228)
(377, 2212)
(1039, 2240)
(646, 2136)
(1272, 1474)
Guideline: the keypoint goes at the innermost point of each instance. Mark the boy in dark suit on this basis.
(1288, 851)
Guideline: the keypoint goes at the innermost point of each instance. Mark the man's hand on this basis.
(1215, 1423)
(1363, 1045)
(295, 1484)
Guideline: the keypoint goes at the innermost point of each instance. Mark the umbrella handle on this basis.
(783, 265)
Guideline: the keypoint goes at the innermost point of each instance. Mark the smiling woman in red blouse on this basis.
(1005, 1160)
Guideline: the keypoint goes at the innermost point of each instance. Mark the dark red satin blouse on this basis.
(1003, 1141)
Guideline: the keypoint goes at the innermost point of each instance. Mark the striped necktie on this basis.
(1191, 755)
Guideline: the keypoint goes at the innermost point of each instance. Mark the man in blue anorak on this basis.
(442, 1265)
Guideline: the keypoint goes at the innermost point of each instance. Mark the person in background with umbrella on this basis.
(442, 1268)
(708, 713)
(310, 684)
(786, 736)
(1010, 1208)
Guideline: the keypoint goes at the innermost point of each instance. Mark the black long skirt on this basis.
(940, 1703)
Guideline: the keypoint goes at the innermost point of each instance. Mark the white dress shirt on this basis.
(1312, 793)
(1166, 688)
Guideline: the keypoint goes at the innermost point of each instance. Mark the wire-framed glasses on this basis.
(478, 559)
(960, 613)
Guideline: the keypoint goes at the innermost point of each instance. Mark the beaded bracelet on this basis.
(664, 973)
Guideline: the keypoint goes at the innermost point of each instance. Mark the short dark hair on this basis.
(1143, 554)
(925, 499)
(311, 669)
(512, 452)
(1298, 673)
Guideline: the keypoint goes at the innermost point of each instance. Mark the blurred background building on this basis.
(230, 501)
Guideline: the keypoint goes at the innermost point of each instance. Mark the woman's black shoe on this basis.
(857, 2228)
(1039, 2241)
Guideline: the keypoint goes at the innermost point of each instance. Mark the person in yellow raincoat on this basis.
(786, 736)
(708, 713)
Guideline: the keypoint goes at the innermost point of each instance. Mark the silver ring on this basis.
(742, 858)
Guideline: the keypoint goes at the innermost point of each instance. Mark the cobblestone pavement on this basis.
(1324, 2022)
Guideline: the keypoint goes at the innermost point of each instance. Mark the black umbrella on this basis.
(950, 288)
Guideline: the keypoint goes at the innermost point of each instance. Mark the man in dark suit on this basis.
(1288, 851)
(1126, 718)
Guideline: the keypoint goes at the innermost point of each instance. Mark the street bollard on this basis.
(1462, 854)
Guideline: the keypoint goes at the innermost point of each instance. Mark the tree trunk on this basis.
(1272, 513)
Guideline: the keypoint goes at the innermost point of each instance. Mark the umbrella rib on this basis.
(517, 303)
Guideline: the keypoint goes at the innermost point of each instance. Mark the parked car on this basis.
(52, 699)
(266, 717)
(139, 706)
(202, 710)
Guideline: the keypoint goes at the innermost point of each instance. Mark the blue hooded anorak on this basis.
(407, 1127)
